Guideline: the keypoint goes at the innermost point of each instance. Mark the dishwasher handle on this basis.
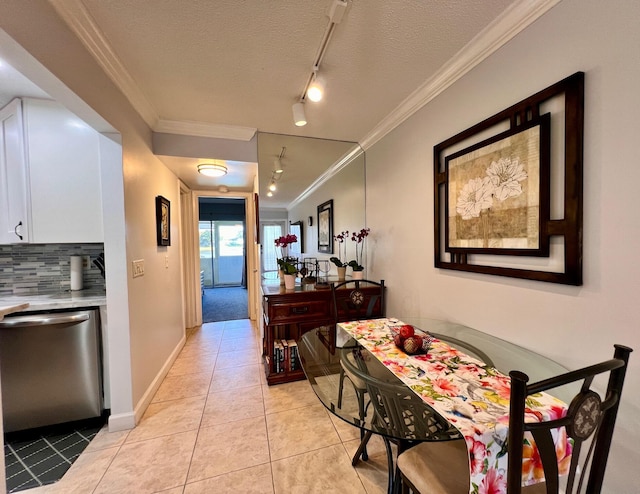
(42, 320)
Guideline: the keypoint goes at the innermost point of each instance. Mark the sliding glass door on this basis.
(222, 253)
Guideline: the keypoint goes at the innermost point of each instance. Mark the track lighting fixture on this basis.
(272, 186)
(315, 86)
(277, 164)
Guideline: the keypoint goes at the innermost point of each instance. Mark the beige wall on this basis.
(148, 326)
(573, 325)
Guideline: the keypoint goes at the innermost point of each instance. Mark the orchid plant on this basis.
(341, 238)
(359, 238)
(285, 262)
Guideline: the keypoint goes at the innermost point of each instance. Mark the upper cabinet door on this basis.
(63, 156)
(14, 194)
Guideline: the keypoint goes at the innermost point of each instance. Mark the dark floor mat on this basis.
(224, 304)
(42, 456)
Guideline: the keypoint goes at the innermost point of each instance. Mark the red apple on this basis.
(406, 331)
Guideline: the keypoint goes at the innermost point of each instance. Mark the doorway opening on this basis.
(223, 258)
(270, 230)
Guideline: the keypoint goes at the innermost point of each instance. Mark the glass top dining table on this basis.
(341, 371)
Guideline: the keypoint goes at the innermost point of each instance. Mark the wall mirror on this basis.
(314, 171)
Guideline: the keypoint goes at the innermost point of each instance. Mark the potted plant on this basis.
(290, 271)
(342, 266)
(283, 243)
(356, 264)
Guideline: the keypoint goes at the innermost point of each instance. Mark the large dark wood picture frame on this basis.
(493, 195)
(325, 227)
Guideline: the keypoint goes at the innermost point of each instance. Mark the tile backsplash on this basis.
(29, 269)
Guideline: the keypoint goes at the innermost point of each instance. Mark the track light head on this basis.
(316, 88)
(299, 118)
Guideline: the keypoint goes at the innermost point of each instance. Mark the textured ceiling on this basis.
(241, 64)
(245, 63)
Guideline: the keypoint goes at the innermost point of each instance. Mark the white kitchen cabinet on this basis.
(14, 200)
(62, 169)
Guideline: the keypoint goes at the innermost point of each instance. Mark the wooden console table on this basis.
(287, 315)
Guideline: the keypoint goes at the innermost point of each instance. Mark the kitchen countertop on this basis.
(51, 301)
(10, 308)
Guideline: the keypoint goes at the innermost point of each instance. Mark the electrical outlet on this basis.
(166, 261)
(138, 268)
(85, 262)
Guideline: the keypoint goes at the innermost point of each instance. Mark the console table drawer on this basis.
(282, 313)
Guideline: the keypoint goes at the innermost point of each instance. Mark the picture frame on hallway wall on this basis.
(163, 221)
(325, 227)
(508, 196)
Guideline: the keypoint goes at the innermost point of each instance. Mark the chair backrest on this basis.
(398, 411)
(588, 416)
(351, 302)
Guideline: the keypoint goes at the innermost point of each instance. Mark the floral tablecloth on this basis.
(473, 397)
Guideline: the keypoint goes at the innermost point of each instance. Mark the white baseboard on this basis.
(122, 422)
(144, 402)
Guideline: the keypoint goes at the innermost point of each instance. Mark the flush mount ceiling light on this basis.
(299, 118)
(212, 169)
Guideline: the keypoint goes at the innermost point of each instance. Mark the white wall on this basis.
(573, 325)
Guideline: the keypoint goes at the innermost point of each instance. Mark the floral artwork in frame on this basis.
(497, 193)
(325, 227)
(163, 221)
(508, 191)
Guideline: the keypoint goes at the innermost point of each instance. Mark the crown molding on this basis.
(355, 152)
(202, 129)
(504, 28)
(75, 14)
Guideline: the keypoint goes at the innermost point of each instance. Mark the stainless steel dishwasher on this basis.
(50, 367)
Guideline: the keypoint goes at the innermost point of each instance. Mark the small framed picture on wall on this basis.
(325, 227)
(163, 220)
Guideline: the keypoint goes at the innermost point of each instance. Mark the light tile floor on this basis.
(214, 426)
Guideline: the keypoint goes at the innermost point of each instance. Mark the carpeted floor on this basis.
(224, 304)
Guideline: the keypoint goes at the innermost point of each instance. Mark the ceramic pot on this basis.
(289, 281)
(281, 275)
(342, 272)
(357, 275)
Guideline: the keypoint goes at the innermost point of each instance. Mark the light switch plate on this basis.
(138, 268)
